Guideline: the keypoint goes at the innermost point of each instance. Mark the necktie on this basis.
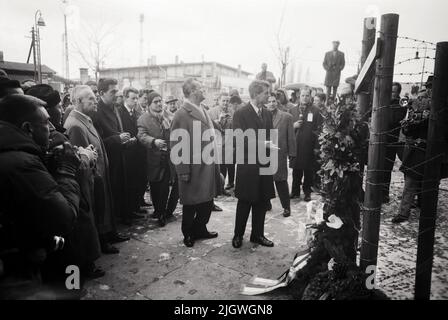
(260, 114)
(120, 124)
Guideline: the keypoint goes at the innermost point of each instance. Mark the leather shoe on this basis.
(162, 221)
(216, 208)
(115, 238)
(142, 211)
(286, 213)
(154, 215)
(262, 240)
(229, 186)
(307, 197)
(170, 217)
(135, 215)
(107, 248)
(94, 272)
(207, 235)
(237, 242)
(188, 241)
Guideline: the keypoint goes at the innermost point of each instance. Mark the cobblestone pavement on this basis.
(155, 264)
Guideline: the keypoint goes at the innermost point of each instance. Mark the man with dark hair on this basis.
(252, 188)
(46, 93)
(198, 182)
(154, 134)
(37, 207)
(282, 121)
(108, 123)
(8, 87)
(319, 101)
(307, 122)
(282, 100)
(334, 63)
(134, 153)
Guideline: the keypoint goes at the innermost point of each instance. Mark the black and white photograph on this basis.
(240, 152)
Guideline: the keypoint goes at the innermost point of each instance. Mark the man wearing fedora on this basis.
(334, 63)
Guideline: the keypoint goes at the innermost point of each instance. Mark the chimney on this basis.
(153, 60)
(176, 60)
(84, 75)
(1, 57)
(239, 71)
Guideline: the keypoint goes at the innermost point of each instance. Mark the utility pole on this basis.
(423, 67)
(377, 149)
(368, 40)
(142, 19)
(435, 149)
(67, 71)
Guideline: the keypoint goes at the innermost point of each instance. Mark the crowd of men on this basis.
(73, 168)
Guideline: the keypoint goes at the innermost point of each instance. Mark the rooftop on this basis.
(177, 64)
(20, 66)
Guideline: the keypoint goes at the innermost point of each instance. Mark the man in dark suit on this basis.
(109, 126)
(307, 123)
(134, 152)
(253, 189)
(153, 134)
(334, 62)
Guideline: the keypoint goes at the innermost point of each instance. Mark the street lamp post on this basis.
(38, 22)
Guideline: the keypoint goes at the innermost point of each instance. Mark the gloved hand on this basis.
(67, 160)
(88, 155)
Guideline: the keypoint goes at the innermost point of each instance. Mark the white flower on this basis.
(331, 263)
(334, 222)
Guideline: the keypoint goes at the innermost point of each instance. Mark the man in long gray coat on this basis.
(81, 132)
(198, 179)
(334, 63)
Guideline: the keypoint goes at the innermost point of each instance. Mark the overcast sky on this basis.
(231, 32)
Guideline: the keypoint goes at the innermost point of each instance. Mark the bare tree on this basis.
(95, 45)
(282, 49)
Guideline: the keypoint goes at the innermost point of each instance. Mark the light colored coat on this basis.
(205, 179)
(282, 121)
(81, 132)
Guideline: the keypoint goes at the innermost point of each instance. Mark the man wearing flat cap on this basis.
(334, 63)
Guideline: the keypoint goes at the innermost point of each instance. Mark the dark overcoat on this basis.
(108, 125)
(250, 186)
(306, 137)
(134, 155)
(150, 129)
(333, 64)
